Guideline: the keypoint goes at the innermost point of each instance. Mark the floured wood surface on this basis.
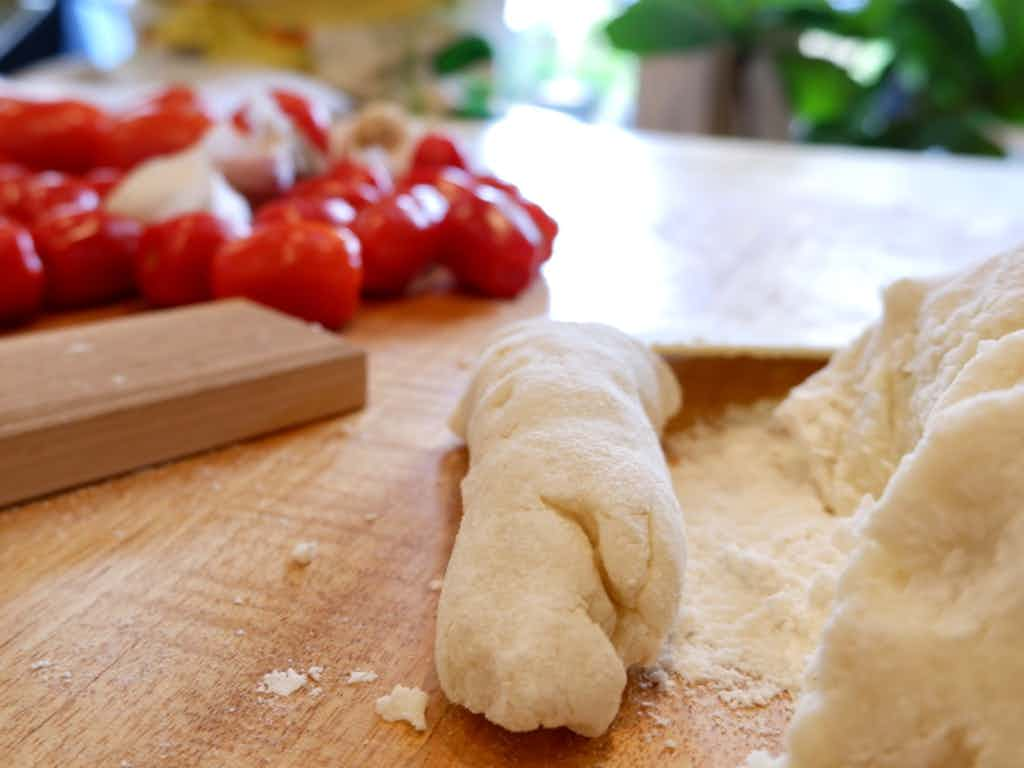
(160, 600)
(135, 591)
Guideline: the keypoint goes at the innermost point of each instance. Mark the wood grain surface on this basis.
(135, 591)
(89, 402)
(158, 600)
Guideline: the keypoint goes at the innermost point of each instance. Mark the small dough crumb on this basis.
(314, 673)
(239, 600)
(409, 704)
(370, 517)
(655, 677)
(303, 553)
(240, 632)
(671, 744)
(436, 584)
(41, 664)
(360, 676)
(282, 683)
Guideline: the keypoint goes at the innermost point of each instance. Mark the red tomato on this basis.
(327, 210)
(87, 256)
(22, 282)
(13, 178)
(139, 136)
(494, 181)
(50, 194)
(61, 135)
(358, 194)
(306, 269)
(399, 236)
(12, 170)
(176, 96)
(435, 150)
(351, 170)
(173, 262)
(309, 117)
(103, 179)
(453, 183)
(548, 226)
(492, 244)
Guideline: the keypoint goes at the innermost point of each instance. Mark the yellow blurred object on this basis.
(273, 33)
(225, 31)
(371, 49)
(341, 11)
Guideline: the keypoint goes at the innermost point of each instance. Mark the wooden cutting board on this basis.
(85, 403)
(160, 599)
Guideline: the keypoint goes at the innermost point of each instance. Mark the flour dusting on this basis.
(763, 557)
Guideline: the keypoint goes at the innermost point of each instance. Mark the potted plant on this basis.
(912, 74)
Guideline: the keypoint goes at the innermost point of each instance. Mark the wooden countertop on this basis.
(160, 599)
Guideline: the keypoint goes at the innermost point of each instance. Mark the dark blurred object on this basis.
(913, 74)
(30, 30)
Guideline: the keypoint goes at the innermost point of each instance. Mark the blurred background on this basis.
(937, 75)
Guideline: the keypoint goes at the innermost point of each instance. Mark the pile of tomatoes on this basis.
(312, 252)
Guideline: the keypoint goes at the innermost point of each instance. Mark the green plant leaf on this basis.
(463, 53)
(961, 134)
(936, 39)
(660, 26)
(818, 90)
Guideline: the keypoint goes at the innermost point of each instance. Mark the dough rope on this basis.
(568, 565)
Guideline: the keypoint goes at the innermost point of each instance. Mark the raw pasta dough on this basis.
(921, 665)
(568, 566)
(869, 407)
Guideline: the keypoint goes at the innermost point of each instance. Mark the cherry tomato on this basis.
(435, 150)
(61, 135)
(12, 170)
(548, 226)
(148, 133)
(492, 244)
(327, 210)
(311, 119)
(87, 256)
(494, 181)
(453, 183)
(173, 262)
(21, 274)
(348, 169)
(176, 96)
(399, 236)
(305, 268)
(51, 193)
(358, 194)
(103, 179)
(13, 178)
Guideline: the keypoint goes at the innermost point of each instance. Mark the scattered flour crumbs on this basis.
(408, 704)
(763, 557)
(282, 683)
(303, 553)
